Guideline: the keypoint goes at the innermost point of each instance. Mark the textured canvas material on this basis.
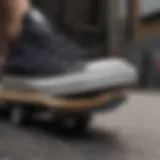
(41, 51)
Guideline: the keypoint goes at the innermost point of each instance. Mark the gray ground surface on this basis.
(130, 133)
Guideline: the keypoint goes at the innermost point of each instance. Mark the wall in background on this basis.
(145, 7)
(141, 8)
(148, 6)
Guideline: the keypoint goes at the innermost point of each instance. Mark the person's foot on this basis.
(62, 67)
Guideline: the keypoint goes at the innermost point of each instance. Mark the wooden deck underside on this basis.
(58, 103)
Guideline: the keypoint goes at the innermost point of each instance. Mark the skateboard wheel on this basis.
(73, 123)
(19, 115)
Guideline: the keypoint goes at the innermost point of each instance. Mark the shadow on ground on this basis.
(94, 144)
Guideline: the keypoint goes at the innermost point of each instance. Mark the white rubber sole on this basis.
(96, 75)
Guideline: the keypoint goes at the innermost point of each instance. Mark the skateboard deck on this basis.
(40, 99)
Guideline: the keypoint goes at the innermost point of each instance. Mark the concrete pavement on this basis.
(130, 133)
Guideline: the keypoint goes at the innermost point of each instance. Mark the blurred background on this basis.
(127, 28)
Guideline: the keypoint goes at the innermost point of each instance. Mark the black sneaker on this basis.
(46, 61)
